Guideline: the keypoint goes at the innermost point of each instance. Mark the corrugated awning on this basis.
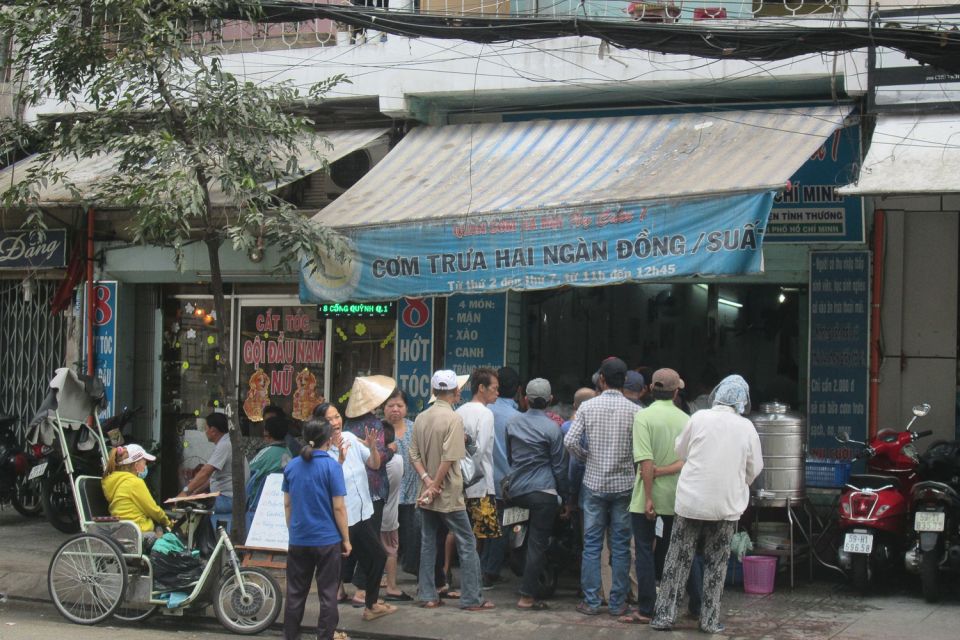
(87, 173)
(911, 154)
(541, 165)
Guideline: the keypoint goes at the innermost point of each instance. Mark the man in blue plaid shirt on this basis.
(607, 422)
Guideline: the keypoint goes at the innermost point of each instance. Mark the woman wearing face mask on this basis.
(124, 488)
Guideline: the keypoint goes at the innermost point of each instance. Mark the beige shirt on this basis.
(438, 437)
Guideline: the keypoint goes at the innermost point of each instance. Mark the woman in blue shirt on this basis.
(313, 491)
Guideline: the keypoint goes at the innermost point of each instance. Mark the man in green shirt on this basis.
(655, 430)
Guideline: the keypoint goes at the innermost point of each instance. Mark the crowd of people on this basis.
(653, 493)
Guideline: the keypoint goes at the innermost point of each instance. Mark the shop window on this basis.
(361, 347)
(192, 357)
(282, 351)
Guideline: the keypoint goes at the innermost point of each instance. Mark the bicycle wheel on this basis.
(87, 578)
(250, 613)
(134, 612)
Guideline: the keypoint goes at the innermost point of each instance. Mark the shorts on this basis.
(391, 542)
(483, 515)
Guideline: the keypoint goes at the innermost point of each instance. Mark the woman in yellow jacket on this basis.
(127, 493)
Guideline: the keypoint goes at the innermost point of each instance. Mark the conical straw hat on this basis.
(368, 393)
(461, 383)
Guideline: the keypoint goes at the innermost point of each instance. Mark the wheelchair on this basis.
(106, 571)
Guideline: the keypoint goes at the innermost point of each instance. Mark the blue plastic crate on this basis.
(830, 474)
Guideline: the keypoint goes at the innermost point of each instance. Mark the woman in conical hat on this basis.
(368, 394)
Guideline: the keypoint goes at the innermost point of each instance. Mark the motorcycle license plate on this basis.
(929, 521)
(858, 543)
(37, 471)
(513, 515)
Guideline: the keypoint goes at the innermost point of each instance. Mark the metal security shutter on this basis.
(31, 348)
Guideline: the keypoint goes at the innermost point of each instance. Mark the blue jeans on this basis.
(600, 512)
(223, 513)
(459, 525)
(650, 565)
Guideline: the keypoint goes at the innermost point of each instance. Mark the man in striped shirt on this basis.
(607, 422)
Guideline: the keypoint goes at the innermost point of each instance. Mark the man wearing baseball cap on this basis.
(655, 430)
(538, 483)
(436, 448)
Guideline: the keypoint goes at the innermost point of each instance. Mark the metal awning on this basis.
(87, 173)
(540, 165)
(911, 154)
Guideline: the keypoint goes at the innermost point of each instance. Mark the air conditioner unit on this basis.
(325, 186)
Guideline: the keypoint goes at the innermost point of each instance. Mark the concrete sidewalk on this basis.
(824, 609)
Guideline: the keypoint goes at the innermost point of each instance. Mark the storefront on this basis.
(684, 240)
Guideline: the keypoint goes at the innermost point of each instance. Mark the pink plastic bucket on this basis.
(759, 573)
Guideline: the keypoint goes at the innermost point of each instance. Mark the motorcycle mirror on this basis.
(921, 410)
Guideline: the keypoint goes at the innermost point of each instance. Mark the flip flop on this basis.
(634, 618)
(344, 598)
(384, 610)
(431, 604)
(538, 605)
(453, 595)
(359, 604)
(486, 605)
(399, 597)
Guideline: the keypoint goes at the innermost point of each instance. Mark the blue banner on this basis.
(810, 210)
(415, 351)
(839, 350)
(33, 249)
(578, 247)
(476, 332)
(105, 340)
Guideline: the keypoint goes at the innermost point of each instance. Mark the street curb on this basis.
(206, 621)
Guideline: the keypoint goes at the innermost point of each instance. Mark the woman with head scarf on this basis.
(721, 454)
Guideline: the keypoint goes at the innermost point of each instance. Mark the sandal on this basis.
(453, 595)
(397, 597)
(538, 605)
(431, 604)
(357, 604)
(634, 618)
(486, 605)
(379, 611)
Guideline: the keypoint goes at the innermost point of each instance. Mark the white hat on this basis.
(444, 380)
(368, 393)
(133, 453)
(460, 381)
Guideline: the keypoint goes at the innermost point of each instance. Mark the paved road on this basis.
(822, 610)
(21, 620)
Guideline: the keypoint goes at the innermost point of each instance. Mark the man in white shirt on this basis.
(478, 424)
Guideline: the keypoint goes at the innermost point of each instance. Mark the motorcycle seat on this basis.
(873, 481)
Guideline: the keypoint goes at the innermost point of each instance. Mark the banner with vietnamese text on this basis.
(578, 247)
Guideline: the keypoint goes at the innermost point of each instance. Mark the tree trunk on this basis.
(227, 390)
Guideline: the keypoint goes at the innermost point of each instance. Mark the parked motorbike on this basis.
(15, 462)
(563, 551)
(936, 518)
(874, 506)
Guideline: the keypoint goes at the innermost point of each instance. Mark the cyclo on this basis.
(105, 570)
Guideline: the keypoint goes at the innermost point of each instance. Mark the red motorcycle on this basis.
(875, 506)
